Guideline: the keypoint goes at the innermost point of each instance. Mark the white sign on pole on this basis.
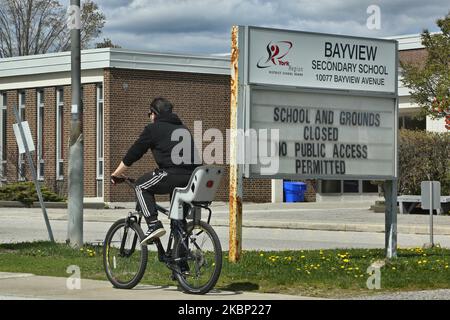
(430, 199)
(313, 60)
(327, 135)
(28, 137)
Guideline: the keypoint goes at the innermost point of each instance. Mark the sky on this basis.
(204, 26)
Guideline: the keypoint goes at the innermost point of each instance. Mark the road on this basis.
(32, 228)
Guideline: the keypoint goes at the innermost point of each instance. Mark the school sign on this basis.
(333, 99)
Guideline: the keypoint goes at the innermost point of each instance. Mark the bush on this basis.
(25, 192)
(423, 156)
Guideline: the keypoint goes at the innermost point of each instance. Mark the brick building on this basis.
(118, 86)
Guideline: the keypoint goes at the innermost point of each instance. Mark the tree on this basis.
(107, 43)
(429, 81)
(29, 27)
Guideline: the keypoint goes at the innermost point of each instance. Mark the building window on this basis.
(40, 134)
(411, 122)
(331, 186)
(99, 156)
(21, 162)
(347, 187)
(369, 187)
(3, 126)
(351, 186)
(60, 134)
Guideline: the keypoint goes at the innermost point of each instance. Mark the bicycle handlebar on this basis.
(127, 180)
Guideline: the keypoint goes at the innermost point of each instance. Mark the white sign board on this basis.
(327, 135)
(332, 98)
(28, 137)
(313, 60)
(430, 194)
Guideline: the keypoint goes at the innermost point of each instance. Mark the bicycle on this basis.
(193, 252)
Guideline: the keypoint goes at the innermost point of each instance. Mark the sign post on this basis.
(333, 102)
(26, 145)
(235, 174)
(431, 199)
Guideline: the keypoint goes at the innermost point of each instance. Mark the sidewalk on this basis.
(21, 286)
(328, 216)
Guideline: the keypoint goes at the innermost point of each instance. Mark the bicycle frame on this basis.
(177, 229)
(164, 255)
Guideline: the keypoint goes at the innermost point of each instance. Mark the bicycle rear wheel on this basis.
(200, 254)
(124, 259)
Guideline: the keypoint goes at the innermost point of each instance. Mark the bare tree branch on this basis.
(39, 26)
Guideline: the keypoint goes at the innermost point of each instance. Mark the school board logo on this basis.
(277, 51)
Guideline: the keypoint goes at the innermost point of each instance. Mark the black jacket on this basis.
(157, 137)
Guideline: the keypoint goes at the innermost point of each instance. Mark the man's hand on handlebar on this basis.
(116, 180)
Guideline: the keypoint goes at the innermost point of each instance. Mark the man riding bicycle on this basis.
(157, 136)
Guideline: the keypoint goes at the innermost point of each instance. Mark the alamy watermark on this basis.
(74, 281)
(254, 147)
(374, 281)
(73, 17)
(373, 22)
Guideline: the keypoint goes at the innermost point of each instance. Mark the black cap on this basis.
(161, 106)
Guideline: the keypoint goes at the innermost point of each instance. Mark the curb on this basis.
(50, 205)
(376, 228)
(349, 227)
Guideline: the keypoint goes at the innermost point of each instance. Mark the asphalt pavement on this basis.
(288, 221)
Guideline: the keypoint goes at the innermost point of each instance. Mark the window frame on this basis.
(40, 110)
(59, 133)
(21, 166)
(100, 126)
(3, 136)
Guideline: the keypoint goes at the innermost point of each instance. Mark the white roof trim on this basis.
(409, 41)
(49, 80)
(114, 58)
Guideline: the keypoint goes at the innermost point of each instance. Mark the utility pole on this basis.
(75, 206)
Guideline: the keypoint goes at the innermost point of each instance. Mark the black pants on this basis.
(157, 182)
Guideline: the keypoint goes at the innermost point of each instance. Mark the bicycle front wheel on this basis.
(124, 258)
(199, 257)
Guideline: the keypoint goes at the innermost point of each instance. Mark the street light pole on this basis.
(75, 206)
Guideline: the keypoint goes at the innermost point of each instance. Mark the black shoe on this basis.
(155, 230)
(184, 267)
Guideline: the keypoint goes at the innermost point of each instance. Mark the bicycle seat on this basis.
(201, 188)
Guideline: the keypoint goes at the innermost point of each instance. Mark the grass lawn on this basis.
(326, 273)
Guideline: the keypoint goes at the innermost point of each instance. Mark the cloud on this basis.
(203, 26)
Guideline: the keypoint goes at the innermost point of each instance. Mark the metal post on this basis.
(390, 195)
(235, 242)
(33, 173)
(75, 206)
(431, 214)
